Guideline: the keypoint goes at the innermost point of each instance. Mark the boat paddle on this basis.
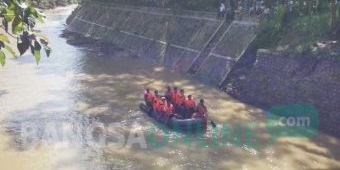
(213, 124)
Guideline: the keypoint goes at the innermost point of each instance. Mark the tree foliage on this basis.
(18, 20)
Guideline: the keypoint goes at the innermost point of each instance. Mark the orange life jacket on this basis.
(156, 103)
(179, 99)
(162, 106)
(173, 96)
(189, 103)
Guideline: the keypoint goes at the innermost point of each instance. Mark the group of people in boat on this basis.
(174, 103)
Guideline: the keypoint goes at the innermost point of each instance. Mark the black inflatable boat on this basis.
(174, 123)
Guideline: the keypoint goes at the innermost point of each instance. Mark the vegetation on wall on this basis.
(300, 26)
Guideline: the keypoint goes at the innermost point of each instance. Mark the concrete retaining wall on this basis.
(276, 79)
(172, 38)
(156, 35)
(227, 52)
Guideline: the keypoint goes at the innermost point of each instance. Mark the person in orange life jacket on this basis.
(168, 94)
(169, 109)
(148, 97)
(179, 103)
(190, 105)
(161, 108)
(180, 98)
(170, 112)
(156, 101)
(201, 112)
(174, 95)
(163, 104)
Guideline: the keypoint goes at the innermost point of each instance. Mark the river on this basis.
(58, 115)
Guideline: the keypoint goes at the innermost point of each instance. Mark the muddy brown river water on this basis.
(79, 110)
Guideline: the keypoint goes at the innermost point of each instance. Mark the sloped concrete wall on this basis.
(171, 39)
(227, 52)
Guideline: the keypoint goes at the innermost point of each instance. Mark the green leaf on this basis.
(9, 14)
(2, 58)
(23, 43)
(38, 15)
(44, 42)
(37, 45)
(43, 39)
(4, 38)
(12, 4)
(37, 56)
(22, 47)
(17, 25)
(11, 51)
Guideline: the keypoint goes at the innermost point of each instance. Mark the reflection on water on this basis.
(78, 92)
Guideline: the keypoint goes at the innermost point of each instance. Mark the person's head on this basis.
(175, 89)
(163, 99)
(156, 92)
(201, 101)
(148, 90)
(169, 88)
(182, 91)
(189, 96)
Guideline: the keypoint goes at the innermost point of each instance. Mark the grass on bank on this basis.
(297, 35)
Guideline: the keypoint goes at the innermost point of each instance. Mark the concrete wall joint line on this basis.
(213, 49)
(221, 56)
(246, 23)
(244, 50)
(222, 37)
(205, 46)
